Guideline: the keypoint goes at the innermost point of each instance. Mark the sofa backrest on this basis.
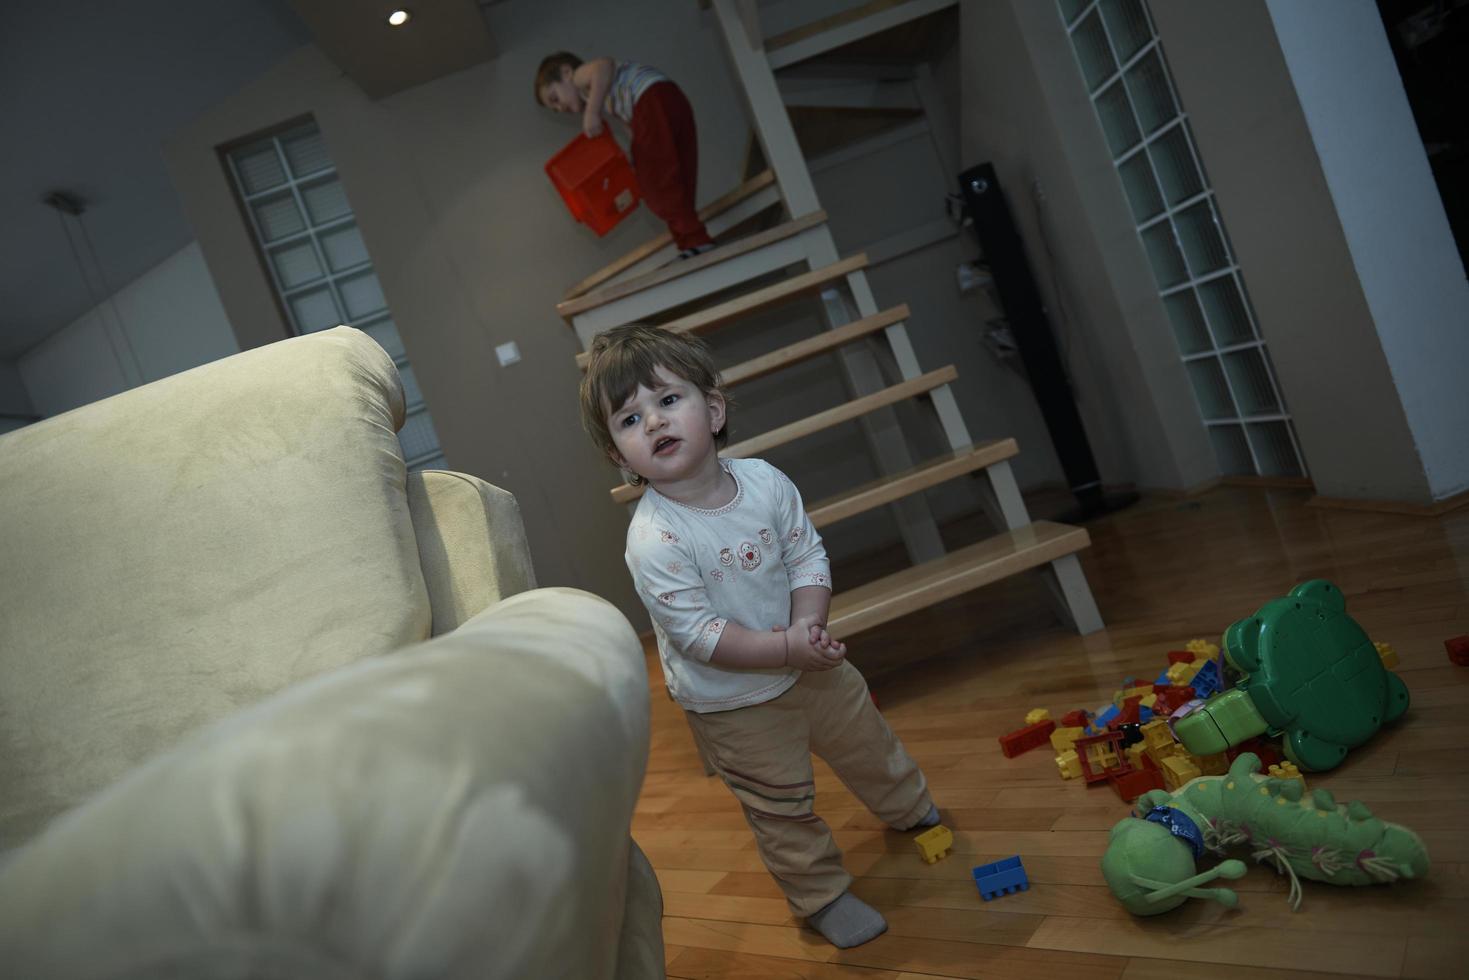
(187, 548)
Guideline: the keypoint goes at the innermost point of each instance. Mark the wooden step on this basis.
(929, 473)
(781, 292)
(803, 350)
(707, 214)
(844, 412)
(957, 572)
(570, 308)
(773, 295)
(845, 27)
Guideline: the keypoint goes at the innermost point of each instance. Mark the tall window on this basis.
(308, 237)
(1178, 220)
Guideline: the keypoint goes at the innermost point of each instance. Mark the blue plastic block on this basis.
(1144, 714)
(1163, 678)
(1206, 682)
(1105, 718)
(1003, 877)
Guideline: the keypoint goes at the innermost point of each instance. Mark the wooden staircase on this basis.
(646, 284)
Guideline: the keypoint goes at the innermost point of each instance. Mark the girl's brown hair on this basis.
(626, 357)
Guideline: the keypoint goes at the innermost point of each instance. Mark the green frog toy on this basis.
(1310, 672)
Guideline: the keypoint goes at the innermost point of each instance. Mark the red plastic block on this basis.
(1027, 738)
(1093, 776)
(1131, 713)
(1181, 657)
(1131, 785)
(1074, 719)
(1171, 699)
(1141, 682)
(1458, 650)
(1268, 753)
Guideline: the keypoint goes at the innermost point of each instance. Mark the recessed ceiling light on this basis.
(399, 17)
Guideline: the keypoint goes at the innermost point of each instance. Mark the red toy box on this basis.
(595, 180)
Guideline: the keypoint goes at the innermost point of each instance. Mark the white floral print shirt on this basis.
(698, 570)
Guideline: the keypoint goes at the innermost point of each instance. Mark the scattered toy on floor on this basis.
(1149, 863)
(1458, 650)
(1003, 877)
(934, 843)
(1287, 770)
(1309, 671)
(1027, 738)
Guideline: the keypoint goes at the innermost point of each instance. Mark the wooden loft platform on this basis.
(690, 270)
(702, 321)
(758, 191)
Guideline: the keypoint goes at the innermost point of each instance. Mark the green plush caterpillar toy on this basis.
(1149, 864)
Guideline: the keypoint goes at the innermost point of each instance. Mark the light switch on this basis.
(508, 354)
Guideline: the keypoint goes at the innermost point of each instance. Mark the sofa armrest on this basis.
(460, 811)
(471, 544)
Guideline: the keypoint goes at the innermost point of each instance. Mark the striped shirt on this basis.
(629, 82)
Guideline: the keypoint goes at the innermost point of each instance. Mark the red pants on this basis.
(665, 158)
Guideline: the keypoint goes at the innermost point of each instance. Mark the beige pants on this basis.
(763, 753)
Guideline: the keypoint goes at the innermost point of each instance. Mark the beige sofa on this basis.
(269, 706)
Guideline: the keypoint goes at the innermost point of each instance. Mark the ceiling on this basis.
(89, 90)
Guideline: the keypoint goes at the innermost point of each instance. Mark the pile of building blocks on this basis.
(1128, 743)
(1003, 877)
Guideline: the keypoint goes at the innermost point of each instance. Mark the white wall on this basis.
(1391, 215)
(168, 320)
(1321, 181)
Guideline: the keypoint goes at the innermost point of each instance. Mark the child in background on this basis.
(738, 585)
(665, 145)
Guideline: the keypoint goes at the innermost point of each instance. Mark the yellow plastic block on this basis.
(1135, 753)
(1068, 763)
(934, 843)
(1211, 765)
(1388, 654)
(1101, 756)
(1203, 648)
(1181, 674)
(1148, 700)
(1064, 738)
(1287, 770)
(1177, 770)
(1156, 734)
(1037, 715)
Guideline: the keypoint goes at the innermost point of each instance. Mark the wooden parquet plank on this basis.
(1354, 954)
(708, 964)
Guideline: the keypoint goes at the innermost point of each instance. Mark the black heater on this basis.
(1000, 244)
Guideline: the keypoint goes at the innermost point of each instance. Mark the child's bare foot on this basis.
(848, 922)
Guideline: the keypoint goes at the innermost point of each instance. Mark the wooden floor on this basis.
(952, 679)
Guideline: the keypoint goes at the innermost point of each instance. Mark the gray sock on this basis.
(929, 819)
(848, 922)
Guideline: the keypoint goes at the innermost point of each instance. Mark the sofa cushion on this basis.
(189, 547)
(459, 809)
